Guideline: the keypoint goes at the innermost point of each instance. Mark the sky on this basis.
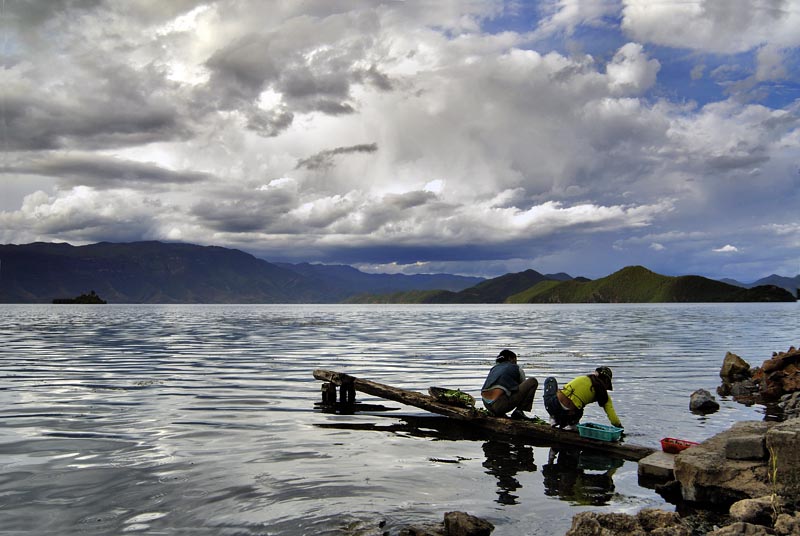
(474, 137)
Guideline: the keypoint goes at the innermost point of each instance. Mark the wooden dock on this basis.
(348, 385)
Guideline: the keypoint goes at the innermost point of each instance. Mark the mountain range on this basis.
(157, 272)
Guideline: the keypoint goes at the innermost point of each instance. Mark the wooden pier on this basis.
(348, 385)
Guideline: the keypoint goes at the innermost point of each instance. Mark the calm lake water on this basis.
(131, 419)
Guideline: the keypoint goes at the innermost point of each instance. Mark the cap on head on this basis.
(506, 355)
(606, 374)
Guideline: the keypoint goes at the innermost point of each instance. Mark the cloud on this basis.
(567, 15)
(103, 172)
(243, 123)
(324, 159)
(630, 72)
(726, 249)
(655, 246)
(711, 26)
(82, 214)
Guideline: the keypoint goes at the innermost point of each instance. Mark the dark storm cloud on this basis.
(324, 159)
(104, 172)
(309, 74)
(38, 124)
(239, 216)
(236, 213)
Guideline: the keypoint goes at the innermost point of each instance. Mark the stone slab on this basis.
(660, 465)
(746, 447)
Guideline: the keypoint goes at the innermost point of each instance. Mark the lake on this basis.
(201, 419)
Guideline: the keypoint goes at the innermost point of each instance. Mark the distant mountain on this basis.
(496, 290)
(146, 272)
(349, 281)
(636, 284)
(792, 284)
(156, 272)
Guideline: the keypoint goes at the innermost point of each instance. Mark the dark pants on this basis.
(521, 399)
(563, 417)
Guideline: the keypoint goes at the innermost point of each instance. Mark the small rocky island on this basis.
(92, 299)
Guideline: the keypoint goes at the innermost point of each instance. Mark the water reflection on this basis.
(580, 477)
(200, 419)
(504, 461)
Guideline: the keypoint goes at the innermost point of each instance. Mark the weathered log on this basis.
(477, 419)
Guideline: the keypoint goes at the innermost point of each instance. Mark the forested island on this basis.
(86, 299)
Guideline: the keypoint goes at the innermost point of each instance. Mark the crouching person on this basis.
(506, 388)
(565, 406)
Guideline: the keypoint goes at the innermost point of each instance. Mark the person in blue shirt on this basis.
(506, 388)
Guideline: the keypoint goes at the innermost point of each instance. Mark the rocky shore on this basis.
(744, 481)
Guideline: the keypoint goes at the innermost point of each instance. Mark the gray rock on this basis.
(464, 524)
(746, 447)
(758, 511)
(788, 524)
(649, 521)
(782, 443)
(707, 477)
(658, 465)
(734, 368)
(455, 524)
(790, 405)
(702, 401)
(740, 529)
(744, 389)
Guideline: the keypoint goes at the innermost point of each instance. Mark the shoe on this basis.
(550, 386)
(518, 415)
(571, 427)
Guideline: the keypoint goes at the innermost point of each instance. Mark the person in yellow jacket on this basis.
(565, 406)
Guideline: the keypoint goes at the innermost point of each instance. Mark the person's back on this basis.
(506, 388)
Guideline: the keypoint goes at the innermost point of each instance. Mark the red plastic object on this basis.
(673, 446)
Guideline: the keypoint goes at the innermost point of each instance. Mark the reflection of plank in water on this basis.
(350, 408)
(518, 429)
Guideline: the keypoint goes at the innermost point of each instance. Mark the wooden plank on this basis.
(519, 429)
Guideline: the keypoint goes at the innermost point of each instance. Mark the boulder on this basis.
(757, 511)
(734, 369)
(455, 524)
(655, 521)
(703, 402)
(744, 389)
(707, 477)
(782, 442)
(788, 524)
(779, 375)
(464, 524)
(776, 377)
(790, 405)
(741, 529)
(649, 521)
(746, 447)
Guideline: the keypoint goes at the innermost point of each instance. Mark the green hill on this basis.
(636, 284)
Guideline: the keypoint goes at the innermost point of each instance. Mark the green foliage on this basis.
(529, 295)
(453, 397)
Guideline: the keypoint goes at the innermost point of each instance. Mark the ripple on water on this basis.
(147, 419)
